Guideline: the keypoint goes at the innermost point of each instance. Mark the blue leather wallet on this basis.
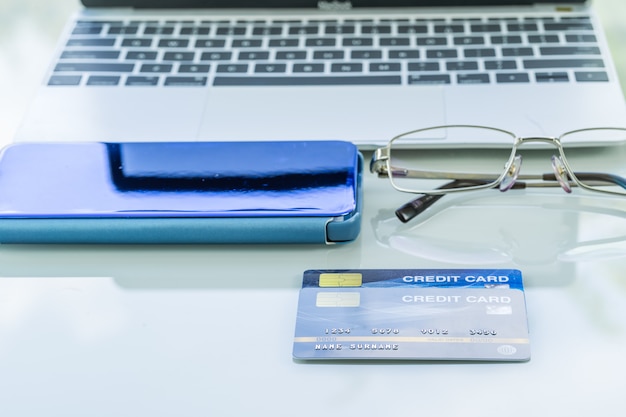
(180, 192)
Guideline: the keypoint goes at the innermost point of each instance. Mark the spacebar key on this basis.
(313, 81)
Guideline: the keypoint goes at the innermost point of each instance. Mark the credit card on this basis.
(451, 314)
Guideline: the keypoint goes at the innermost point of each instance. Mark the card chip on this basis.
(338, 299)
(340, 280)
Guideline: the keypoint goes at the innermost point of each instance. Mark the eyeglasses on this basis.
(435, 174)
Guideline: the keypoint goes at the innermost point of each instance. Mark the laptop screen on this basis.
(306, 3)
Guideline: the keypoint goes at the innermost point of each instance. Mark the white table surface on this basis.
(207, 330)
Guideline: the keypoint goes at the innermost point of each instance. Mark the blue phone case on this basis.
(181, 192)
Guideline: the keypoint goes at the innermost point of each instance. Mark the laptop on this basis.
(362, 71)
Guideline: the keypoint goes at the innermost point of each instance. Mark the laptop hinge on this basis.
(334, 5)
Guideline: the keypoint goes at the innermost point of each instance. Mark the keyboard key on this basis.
(423, 66)
(473, 79)
(137, 42)
(230, 31)
(216, 56)
(485, 27)
(563, 63)
(522, 27)
(196, 31)
(90, 54)
(500, 65)
(340, 30)
(321, 42)
(469, 40)
(308, 81)
(185, 81)
(86, 42)
(173, 43)
(506, 40)
(356, 42)
(283, 43)
(404, 54)
(91, 67)
(410, 29)
(254, 56)
(568, 26)
(267, 31)
(193, 68)
(372, 29)
(576, 18)
(270, 68)
(306, 68)
(290, 55)
(64, 80)
(141, 55)
(543, 39)
(247, 43)
(179, 56)
(365, 54)
(591, 76)
(432, 41)
(330, 54)
(232, 68)
(87, 30)
(103, 80)
(551, 77)
(441, 53)
(414, 79)
(156, 68)
(570, 50)
(449, 28)
(517, 51)
(159, 30)
(394, 41)
(479, 52)
(580, 38)
(123, 30)
(385, 67)
(346, 67)
(210, 43)
(462, 66)
(540, 19)
(142, 81)
(289, 21)
(303, 30)
(520, 77)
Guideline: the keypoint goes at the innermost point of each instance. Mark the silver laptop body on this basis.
(301, 69)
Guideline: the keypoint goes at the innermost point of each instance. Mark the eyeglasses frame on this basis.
(381, 164)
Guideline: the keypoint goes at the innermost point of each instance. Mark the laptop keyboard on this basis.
(329, 52)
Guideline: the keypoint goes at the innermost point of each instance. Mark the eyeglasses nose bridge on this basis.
(511, 174)
(560, 172)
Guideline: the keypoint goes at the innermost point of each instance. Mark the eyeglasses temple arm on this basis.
(593, 176)
(417, 206)
(414, 207)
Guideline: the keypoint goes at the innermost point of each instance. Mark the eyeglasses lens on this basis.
(436, 167)
(589, 163)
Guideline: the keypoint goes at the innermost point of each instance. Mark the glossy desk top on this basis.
(207, 330)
